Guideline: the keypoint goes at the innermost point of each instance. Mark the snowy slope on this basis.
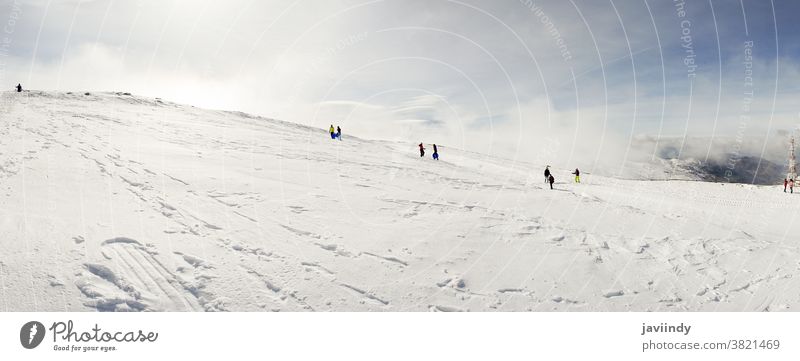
(115, 202)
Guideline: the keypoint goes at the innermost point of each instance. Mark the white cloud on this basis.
(487, 76)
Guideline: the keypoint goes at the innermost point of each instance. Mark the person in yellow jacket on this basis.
(333, 132)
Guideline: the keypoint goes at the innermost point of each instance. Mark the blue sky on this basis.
(587, 76)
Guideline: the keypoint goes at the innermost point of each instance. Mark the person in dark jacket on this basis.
(547, 174)
(338, 132)
(19, 88)
(577, 174)
(552, 180)
(421, 150)
(435, 152)
(791, 185)
(785, 183)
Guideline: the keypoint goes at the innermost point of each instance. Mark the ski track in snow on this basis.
(119, 203)
(132, 279)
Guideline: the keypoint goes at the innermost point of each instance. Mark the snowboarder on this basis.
(333, 134)
(421, 150)
(19, 88)
(785, 183)
(338, 132)
(547, 174)
(577, 174)
(435, 152)
(552, 180)
(791, 185)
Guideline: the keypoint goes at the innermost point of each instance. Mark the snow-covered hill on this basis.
(115, 202)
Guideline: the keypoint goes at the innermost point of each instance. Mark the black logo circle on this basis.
(31, 334)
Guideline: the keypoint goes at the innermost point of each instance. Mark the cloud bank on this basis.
(574, 83)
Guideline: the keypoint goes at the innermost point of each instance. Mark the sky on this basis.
(575, 80)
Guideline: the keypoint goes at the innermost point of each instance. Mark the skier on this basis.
(338, 132)
(547, 174)
(577, 174)
(333, 135)
(421, 150)
(19, 88)
(435, 152)
(785, 183)
(552, 180)
(791, 185)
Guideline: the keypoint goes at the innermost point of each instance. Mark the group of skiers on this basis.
(435, 151)
(789, 183)
(548, 176)
(336, 133)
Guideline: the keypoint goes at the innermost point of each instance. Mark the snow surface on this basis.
(115, 202)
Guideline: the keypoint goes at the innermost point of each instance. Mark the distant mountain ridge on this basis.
(746, 169)
(720, 159)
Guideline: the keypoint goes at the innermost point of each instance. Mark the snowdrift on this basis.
(113, 202)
